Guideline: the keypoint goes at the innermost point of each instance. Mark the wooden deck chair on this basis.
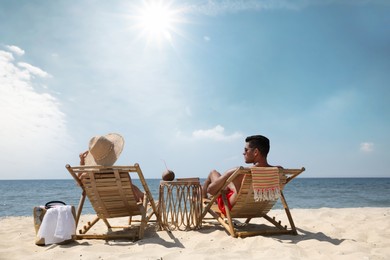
(109, 189)
(260, 189)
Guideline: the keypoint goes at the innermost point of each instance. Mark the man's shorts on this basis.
(221, 205)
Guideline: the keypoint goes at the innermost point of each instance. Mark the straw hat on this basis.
(104, 150)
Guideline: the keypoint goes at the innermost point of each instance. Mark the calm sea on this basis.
(18, 197)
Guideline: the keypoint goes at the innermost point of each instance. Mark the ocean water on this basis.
(18, 197)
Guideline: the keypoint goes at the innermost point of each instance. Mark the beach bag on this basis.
(39, 215)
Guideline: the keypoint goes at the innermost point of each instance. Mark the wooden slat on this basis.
(110, 192)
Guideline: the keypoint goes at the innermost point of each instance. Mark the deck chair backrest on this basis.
(246, 206)
(110, 193)
(266, 183)
(109, 189)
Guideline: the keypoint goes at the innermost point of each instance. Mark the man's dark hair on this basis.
(260, 142)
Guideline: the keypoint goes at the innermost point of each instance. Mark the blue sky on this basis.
(313, 76)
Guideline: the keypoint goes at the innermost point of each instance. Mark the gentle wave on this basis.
(19, 197)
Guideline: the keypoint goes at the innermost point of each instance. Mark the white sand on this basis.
(354, 233)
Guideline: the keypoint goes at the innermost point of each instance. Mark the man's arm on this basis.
(217, 184)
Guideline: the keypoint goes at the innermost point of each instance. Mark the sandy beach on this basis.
(326, 233)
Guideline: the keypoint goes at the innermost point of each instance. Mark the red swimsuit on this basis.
(221, 205)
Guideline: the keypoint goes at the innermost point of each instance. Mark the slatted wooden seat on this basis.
(246, 206)
(109, 190)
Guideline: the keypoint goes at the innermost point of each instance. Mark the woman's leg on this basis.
(139, 195)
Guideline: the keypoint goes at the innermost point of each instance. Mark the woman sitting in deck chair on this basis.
(104, 151)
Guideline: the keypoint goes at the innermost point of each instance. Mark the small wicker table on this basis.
(180, 204)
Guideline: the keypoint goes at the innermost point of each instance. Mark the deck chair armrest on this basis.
(227, 182)
(211, 201)
(290, 174)
(232, 177)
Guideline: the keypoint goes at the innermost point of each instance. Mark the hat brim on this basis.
(113, 155)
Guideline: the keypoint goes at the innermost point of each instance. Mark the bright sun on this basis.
(157, 21)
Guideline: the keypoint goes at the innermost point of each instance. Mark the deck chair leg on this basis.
(143, 219)
(222, 222)
(216, 216)
(273, 221)
(229, 219)
(148, 195)
(88, 226)
(149, 209)
(288, 213)
(106, 222)
(207, 208)
(247, 220)
(80, 207)
(142, 229)
(149, 214)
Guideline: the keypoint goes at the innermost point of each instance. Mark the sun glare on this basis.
(156, 21)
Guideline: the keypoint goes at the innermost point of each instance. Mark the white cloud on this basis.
(206, 38)
(5, 57)
(33, 127)
(367, 147)
(15, 49)
(32, 70)
(217, 133)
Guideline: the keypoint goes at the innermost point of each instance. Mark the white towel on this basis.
(58, 225)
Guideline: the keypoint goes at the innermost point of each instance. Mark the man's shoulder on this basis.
(278, 166)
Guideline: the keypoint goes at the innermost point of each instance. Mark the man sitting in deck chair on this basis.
(255, 151)
(104, 151)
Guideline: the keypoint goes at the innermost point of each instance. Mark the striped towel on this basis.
(266, 184)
